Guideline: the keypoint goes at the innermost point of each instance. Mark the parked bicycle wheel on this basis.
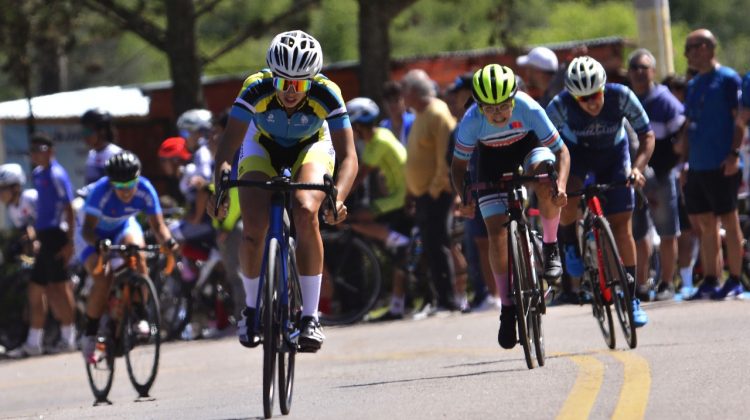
(176, 303)
(521, 283)
(288, 351)
(271, 314)
(352, 272)
(600, 307)
(617, 280)
(142, 334)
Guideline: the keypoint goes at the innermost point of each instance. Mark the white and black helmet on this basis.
(585, 76)
(295, 55)
(195, 120)
(11, 174)
(362, 110)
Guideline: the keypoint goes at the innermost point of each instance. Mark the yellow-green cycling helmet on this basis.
(493, 84)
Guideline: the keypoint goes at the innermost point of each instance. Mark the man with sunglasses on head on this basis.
(110, 210)
(98, 132)
(288, 115)
(590, 115)
(509, 129)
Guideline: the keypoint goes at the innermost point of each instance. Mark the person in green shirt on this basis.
(385, 220)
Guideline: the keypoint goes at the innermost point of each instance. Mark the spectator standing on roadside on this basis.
(711, 147)
(541, 64)
(666, 114)
(99, 134)
(399, 119)
(427, 178)
(54, 227)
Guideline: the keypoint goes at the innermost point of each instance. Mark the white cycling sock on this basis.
(251, 289)
(310, 286)
(68, 334)
(35, 337)
(687, 276)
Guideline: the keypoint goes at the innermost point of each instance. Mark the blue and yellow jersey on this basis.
(257, 103)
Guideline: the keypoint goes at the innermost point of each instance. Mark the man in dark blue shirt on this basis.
(713, 137)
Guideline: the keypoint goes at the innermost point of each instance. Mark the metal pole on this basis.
(655, 34)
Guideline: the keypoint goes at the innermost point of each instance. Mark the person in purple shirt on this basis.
(712, 141)
(667, 117)
(54, 228)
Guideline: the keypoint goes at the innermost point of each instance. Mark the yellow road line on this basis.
(585, 389)
(635, 387)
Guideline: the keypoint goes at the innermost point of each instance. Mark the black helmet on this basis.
(123, 167)
(97, 118)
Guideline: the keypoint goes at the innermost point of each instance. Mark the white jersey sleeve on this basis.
(24, 213)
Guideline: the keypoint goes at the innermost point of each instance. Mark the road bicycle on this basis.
(280, 301)
(352, 277)
(528, 289)
(131, 326)
(604, 271)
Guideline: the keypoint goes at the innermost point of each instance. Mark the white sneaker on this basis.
(490, 303)
(25, 350)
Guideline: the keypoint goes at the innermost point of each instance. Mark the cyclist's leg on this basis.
(580, 164)
(536, 162)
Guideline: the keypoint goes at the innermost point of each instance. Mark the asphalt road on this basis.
(692, 361)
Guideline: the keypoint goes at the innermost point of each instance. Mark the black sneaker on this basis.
(506, 335)
(643, 293)
(311, 335)
(552, 263)
(245, 333)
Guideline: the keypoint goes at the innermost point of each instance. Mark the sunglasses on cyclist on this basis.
(594, 96)
(299, 86)
(127, 185)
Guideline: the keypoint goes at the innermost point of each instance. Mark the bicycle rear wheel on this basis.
(600, 308)
(617, 280)
(101, 373)
(141, 333)
(352, 274)
(291, 316)
(270, 312)
(521, 284)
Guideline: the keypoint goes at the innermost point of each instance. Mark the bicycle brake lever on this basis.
(331, 195)
(220, 195)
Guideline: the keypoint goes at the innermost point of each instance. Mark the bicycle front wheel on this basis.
(522, 281)
(600, 307)
(101, 373)
(142, 334)
(290, 317)
(616, 279)
(351, 277)
(270, 310)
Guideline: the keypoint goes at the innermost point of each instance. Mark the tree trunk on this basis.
(374, 49)
(184, 65)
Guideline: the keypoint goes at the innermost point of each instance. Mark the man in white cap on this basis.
(541, 63)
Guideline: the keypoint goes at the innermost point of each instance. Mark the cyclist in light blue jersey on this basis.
(590, 116)
(110, 210)
(509, 129)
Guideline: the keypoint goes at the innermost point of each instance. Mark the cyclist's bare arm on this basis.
(458, 177)
(88, 231)
(160, 229)
(230, 141)
(346, 155)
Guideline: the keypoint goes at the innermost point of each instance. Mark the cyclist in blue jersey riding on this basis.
(288, 115)
(590, 116)
(110, 210)
(509, 129)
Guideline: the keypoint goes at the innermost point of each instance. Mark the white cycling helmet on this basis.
(195, 120)
(585, 76)
(362, 110)
(11, 174)
(295, 55)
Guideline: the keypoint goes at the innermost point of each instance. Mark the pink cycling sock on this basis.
(550, 229)
(502, 286)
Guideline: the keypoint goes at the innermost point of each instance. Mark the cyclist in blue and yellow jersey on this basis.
(509, 129)
(110, 210)
(590, 116)
(288, 115)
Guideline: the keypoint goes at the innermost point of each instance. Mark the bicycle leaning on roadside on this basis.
(131, 326)
(527, 287)
(604, 271)
(280, 301)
